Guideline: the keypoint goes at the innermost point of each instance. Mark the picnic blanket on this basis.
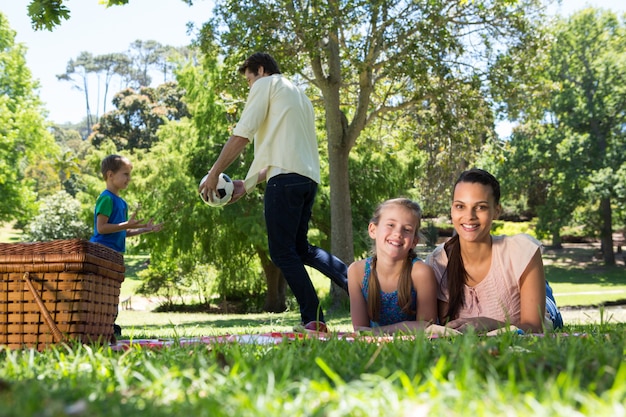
(274, 338)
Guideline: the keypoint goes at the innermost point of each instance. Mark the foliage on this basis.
(58, 218)
(133, 70)
(48, 14)
(24, 139)
(581, 374)
(512, 228)
(138, 116)
(165, 279)
(383, 164)
(416, 64)
(570, 145)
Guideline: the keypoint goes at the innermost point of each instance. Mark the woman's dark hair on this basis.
(455, 271)
(405, 284)
(112, 163)
(260, 59)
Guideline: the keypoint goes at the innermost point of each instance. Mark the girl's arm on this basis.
(425, 285)
(401, 327)
(358, 304)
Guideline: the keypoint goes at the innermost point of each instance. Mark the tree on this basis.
(575, 96)
(138, 116)
(24, 139)
(110, 65)
(145, 55)
(542, 164)
(132, 68)
(368, 60)
(82, 66)
(588, 59)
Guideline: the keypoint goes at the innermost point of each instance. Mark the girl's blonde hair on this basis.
(405, 284)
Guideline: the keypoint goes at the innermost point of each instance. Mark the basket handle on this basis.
(58, 336)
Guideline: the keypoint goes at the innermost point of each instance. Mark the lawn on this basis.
(578, 372)
(578, 277)
(508, 375)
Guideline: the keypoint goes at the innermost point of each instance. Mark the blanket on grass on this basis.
(274, 338)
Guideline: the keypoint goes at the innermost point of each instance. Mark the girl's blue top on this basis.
(390, 311)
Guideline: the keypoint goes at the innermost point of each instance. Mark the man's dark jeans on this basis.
(289, 200)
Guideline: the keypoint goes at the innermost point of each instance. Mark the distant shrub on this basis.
(500, 227)
(58, 218)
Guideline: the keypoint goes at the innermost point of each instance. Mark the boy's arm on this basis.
(132, 225)
(147, 228)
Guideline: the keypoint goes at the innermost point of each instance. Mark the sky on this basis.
(98, 30)
(94, 28)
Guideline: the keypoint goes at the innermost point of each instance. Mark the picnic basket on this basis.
(58, 291)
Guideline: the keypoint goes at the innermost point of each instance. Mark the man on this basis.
(279, 118)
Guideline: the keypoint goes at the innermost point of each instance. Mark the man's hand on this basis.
(209, 186)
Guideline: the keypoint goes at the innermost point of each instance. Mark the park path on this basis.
(591, 315)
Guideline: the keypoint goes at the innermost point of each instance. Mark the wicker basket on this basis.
(53, 292)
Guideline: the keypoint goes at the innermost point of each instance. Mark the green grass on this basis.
(507, 375)
(581, 373)
(578, 277)
(133, 264)
(8, 234)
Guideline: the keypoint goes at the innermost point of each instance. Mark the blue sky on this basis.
(99, 30)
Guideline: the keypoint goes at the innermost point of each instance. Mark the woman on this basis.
(487, 282)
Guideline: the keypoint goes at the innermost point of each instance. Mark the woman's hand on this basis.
(479, 324)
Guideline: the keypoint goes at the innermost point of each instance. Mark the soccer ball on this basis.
(223, 193)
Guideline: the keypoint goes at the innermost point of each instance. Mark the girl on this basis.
(393, 290)
(487, 282)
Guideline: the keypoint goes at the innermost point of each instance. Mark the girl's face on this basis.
(119, 180)
(396, 232)
(473, 210)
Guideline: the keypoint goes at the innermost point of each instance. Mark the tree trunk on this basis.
(276, 285)
(340, 212)
(557, 242)
(341, 242)
(606, 232)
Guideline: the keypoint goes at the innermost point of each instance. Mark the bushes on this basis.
(58, 218)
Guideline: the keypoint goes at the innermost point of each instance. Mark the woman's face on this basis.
(473, 210)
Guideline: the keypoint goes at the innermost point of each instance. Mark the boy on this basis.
(111, 223)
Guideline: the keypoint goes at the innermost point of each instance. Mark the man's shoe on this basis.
(316, 326)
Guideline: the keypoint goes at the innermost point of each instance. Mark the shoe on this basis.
(312, 326)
